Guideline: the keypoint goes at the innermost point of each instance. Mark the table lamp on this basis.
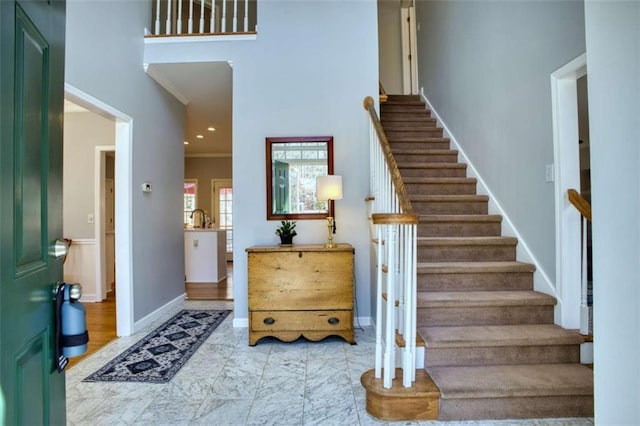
(329, 188)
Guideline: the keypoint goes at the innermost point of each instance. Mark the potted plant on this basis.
(286, 231)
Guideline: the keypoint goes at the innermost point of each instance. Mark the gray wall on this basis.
(204, 169)
(390, 46)
(613, 66)
(307, 74)
(485, 66)
(83, 131)
(104, 58)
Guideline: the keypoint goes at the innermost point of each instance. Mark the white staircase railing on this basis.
(179, 17)
(394, 228)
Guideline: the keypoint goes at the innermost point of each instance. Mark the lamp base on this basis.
(330, 243)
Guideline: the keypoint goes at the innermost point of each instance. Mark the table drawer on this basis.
(300, 320)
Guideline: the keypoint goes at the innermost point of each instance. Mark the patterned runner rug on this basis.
(160, 354)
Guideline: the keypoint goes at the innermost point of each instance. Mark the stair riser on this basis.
(502, 355)
(434, 132)
(485, 315)
(386, 109)
(441, 188)
(459, 229)
(492, 253)
(433, 172)
(409, 159)
(398, 123)
(418, 144)
(496, 281)
(450, 207)
(405, 115)
(404, 98)
(516, 408)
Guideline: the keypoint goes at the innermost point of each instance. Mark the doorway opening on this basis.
(122, 179)
(568, 172)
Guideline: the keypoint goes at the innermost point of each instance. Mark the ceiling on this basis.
(205, 88)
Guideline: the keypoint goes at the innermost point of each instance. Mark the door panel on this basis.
(32, 77)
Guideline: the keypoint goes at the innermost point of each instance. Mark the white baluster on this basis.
(224, 16)
(190, 29)
(584, 308)
(246, 15)
(157, 25)
(379, 324)
(212, 24)
(179, 20)
(390, 327)
(235, 16)
(201, 16)
(168, 22)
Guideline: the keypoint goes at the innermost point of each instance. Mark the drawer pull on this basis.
(269, 321)
(333, 320)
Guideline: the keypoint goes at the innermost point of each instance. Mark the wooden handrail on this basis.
(398, 183)
(580, 203)
(383, 93)
(395, 218)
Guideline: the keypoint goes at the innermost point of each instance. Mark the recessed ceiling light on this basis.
(199, 136)
(186, 142)
(211, 129)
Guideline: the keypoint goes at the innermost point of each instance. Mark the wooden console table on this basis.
(300, 290)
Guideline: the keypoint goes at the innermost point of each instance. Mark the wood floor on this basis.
(101, 323)
(101, 316)
(213, 291)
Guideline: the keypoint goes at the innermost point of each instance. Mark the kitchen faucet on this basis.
(200, 223)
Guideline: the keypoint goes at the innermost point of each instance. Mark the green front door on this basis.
(31, 107)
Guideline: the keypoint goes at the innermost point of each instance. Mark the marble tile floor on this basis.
(227, 382)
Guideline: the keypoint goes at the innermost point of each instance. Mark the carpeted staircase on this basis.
(491, 344)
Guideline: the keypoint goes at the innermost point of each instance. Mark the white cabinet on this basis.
(205, 255)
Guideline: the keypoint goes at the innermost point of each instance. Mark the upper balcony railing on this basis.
(203, 17)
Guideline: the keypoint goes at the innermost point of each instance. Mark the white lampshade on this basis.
(329, 187)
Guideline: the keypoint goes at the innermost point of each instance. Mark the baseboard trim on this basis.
(153, 316)
(241, 323)
(89, 298)
(362, 321)
(541, 279)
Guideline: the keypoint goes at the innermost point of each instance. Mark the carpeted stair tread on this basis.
(448, 299)
(413, 129)
(434, 180)
(505, 381)
(436, 165)
(437, 218)
(466, 241)
(404, 98)
(498, 335)
(418, 151)
(433, 198)
(473, 267)
(416, 139)
(402, 103)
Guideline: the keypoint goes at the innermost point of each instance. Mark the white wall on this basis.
(390, 45)
(485, 67)
(306, 74)
(613, 66)
(104, 58)
(83, 131)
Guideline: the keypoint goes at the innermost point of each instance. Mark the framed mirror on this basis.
(293, 164)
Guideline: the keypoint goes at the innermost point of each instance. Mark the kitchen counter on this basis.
(205, 255)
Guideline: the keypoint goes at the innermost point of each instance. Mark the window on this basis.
(190, 195)
(222, 196)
